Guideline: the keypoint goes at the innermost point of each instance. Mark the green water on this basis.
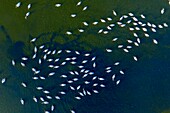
(145, 89)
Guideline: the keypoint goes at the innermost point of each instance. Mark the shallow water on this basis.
(143, 89)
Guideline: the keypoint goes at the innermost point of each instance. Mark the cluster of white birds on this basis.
(82, 79)
(28, 7)
(19, 4)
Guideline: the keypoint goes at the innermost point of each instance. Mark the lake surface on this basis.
(144, 88)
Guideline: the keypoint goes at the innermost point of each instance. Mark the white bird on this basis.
(101, 79)
(78, 98)
(95, 91)
(94, 65)
(35, 49)
(81, 30)
(149, 24)
(72, 111)
(162, 11)
(78, 87)
(46, 92)
(135, 19)
(68, 33)
(165, 24)
(73, 15)
(58, 5)
(87, 82)
(155, 41)
(39, 88)
(35, 99)
(95, 23)
(42, 46)
(33, 40)
(46, 111)
(102, 20)
(24, 58)
(102, 85)
(78, 53)
(109, 19)
(95, 84)
(138, 40)
(107, 68)
(68, 51)
(121, 72)
(129, 21)
(51, 74)
(57, 97)
(62, 92)
(135, 58)
(131, 14)
(72, 88)
(136, 44)
(3, 80)
(108, 71)
(79, 3)
(129, 41)
(114, 12)
(13, 62)
(63, 76)
(160, 26)
(114, 39)
(18, 4)
(84, 92)
(84, 61)
(94, 77)
(42, 78)
(142, 16)
(23, 84)
(81, 94)
(153, 30)
(109, 50)
(34, 56)
(22, 64)
(88, 92)
(131, 29)
(85, 23)
(112, 25)
(45, 102)
(146, 35)
(42, 99)
(27, 14)
(117, 82)
(52, 107)
(85, 8)
(113, 77)
(120, 46)
(48, 97)
(33, 69)
(126, 50)
(29, 6)
(93, 58)
(35, 78)
(105, 32)
(22, 101)
(144, 29)
(62, 85)
(100, 31)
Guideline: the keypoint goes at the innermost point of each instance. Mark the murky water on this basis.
(144, 88)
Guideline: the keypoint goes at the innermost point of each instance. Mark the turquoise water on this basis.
(145, 86)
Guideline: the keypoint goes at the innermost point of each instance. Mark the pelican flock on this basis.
(79, 72)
